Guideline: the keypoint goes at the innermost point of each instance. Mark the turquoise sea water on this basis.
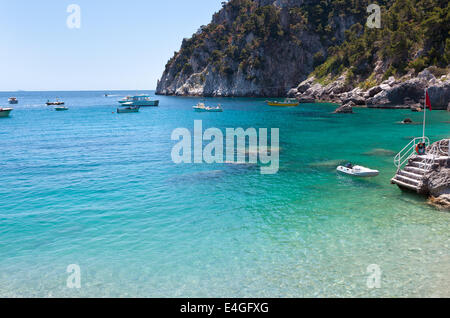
(98, 189)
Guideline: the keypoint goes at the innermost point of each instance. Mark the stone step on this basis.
(405, 185)
(421, 165)
(411, 175)
(415, 170)
(417, 158)
(408, 180)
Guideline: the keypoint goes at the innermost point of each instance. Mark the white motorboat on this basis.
(358, 171)
(200, 107)
(4, 112)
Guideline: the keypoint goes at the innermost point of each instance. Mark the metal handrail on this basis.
(408, 151)
(441, 150)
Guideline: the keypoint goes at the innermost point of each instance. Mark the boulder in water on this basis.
(407, 121)
(345, 109)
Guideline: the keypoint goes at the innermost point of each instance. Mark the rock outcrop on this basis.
(391, 93)
(438, 182)
(345, 109)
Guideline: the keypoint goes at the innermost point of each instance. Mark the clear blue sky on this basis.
(120, 45)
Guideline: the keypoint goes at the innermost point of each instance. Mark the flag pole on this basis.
(424, 113)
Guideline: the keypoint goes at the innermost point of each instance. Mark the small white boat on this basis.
(4, 112)
(61, 108)
(358, 171)
(13, 100)
(200, 107)
(128, 109)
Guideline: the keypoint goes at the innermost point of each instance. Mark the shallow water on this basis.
(98, 189)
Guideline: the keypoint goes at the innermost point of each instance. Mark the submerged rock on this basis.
(380, 152)
(441, 202)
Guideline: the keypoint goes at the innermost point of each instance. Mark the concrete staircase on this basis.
(412, 176)
(413, 170)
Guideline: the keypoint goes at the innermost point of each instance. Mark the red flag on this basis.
(428, 102)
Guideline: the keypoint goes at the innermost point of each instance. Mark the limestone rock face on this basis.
(234, 57)
(438, 182)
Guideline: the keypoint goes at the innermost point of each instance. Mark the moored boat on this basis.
(139, 100)
(358, 171)
(128, 109)
(4, 112)
(55, 103)
(289, 102)
(200, 107)
(13, 100)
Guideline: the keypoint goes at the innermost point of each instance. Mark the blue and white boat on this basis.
(139, 100)
(200, 107)
(13, 100)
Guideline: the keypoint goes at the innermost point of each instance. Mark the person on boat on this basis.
(421, 148)
(349, 165)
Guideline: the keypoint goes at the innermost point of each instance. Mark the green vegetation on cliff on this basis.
(414, 35)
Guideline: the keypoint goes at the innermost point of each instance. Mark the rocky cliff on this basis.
(258, 47)
(266, 47)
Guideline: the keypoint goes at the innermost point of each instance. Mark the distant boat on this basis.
(61, 108)
(128, 109)
(4, 112)
(56, 103)
(358, 171)
(289, 102)
(200, 107)
(139, 100)
(13, 100)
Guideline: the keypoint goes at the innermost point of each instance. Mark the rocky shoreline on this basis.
(406, 92)
(438, 182)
